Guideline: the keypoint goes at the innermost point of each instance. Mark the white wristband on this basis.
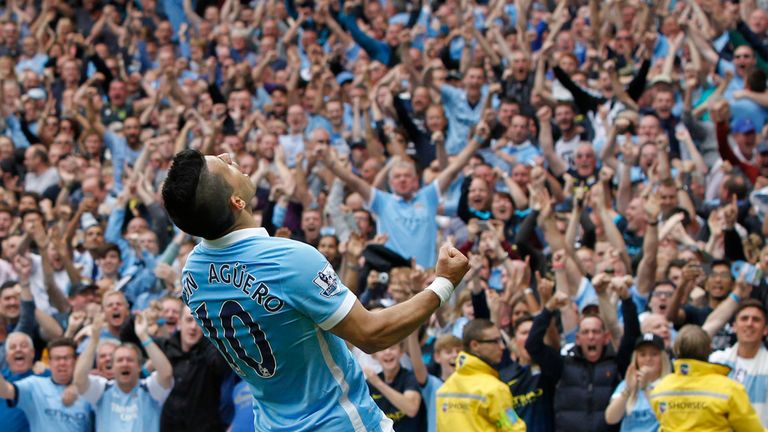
(443, 288)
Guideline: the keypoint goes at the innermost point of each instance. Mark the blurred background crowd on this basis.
(603, 164)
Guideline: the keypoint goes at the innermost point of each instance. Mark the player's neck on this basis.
(244, 221)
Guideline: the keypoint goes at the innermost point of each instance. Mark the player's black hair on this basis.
(197, 200)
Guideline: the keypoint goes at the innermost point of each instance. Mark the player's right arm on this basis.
(375, 331)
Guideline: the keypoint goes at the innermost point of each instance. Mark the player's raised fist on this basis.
(451, 264)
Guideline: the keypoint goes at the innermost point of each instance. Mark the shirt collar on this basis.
(234, 237)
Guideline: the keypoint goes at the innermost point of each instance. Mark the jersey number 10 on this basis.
(226, 321)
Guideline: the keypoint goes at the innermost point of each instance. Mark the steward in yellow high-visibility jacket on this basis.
(473, 399)
(700, 397)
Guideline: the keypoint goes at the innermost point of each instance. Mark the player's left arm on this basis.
(159, 360)
(375, 331)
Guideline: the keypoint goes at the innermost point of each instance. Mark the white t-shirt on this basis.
(117, 411)
(752, 373)
(566, 150)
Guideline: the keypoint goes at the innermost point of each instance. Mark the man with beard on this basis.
(473, 398)
(198, 370)
(663, 102)
(519, 84)
(561, 155)
(33, 394)
(125, 403)
(118, 107)
(718, 286)
(585, 376)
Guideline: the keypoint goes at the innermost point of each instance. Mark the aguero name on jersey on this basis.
(267, 304)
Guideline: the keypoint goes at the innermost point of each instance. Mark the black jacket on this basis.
(193, 404)
(583, 389)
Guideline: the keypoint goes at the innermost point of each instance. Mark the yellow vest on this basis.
(700, 397)
(473, 399)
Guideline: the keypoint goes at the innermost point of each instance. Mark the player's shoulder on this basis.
(293, 247)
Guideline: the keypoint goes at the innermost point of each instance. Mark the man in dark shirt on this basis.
(198, 371)
(718, 285)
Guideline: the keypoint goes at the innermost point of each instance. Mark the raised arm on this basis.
(546, 357)
(556, 164)
(85, 361)
(156, 356)
(646, 270)
(191, 15)
(413, 348)
(725, 310)
(344, 174)
(374, 331)
(445, 178)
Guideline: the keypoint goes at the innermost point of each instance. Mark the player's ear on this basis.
(237, 203)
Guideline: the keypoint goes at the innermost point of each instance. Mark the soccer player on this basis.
(276, 309)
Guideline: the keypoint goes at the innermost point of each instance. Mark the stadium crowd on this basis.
(603, 164)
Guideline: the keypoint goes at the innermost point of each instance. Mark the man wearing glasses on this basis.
(473, 398)
(33, 394)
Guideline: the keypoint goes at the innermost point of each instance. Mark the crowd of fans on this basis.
(604, 164)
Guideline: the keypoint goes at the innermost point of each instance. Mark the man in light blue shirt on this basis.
(463, 108)
(19, 355)
(41, 398)
(277, 311)
(125, 403)
(407, 215)
(125, 148)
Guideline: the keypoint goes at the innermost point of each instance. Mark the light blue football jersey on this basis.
(40, 399)
(267, 304)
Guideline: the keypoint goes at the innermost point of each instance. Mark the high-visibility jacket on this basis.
(700, 397)
(473, 399)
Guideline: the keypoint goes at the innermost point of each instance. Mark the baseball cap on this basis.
(37, 94)
(344, 77)
(650, 339)
(742, 125)
(82, 289)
